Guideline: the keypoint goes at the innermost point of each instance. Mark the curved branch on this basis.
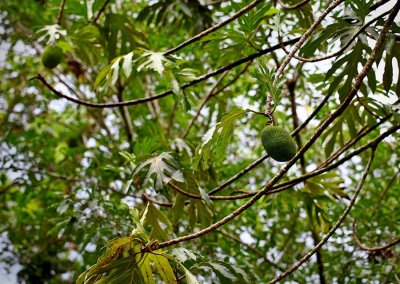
(305, 36)
(213, 28)
(293, 7)
(376, 248)
(196, 196)
(341, 50)
(148, 198)
(346, 102)
(333, 229)
(166, 93)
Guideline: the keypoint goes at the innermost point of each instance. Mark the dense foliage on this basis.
(138, 159)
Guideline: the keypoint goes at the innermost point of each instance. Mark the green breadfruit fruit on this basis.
(278, 143)
(51, 56)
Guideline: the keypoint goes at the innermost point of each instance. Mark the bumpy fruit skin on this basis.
(278, 143)
(51, 56)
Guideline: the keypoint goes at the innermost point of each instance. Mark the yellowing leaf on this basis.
(163, 267)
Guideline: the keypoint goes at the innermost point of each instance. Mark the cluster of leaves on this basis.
(131, 260)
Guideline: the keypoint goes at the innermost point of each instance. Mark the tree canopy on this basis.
(131, 147)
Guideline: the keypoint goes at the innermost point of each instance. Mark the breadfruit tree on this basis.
(199, 141)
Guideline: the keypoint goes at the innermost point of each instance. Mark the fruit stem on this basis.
(268, 113)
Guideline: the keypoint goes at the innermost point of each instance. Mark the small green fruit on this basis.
(51, 56)
(278, 143)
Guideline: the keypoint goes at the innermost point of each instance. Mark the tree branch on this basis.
(371, 144)
(101, 10)
(203, 103)
(126, 118)
(378, 4)
(261, 159)
(60, 12)
(168, 92)
(376, 248)
(213, 28)
(291, 183)
(319, 131)
(148, 198)
(305, 36)
(383, 193)
(196, 196)
(293, 7)
(333, 229)
(341, 50)
(291, 84)
(350, 143)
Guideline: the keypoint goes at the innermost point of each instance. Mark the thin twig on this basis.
(285, 185)
(203, 103)
(291, 183)
(383, 193)
(375, 248)
(291, 85)
(253, 249)
(126, 118)
(196, 196)
(148, 198)
(366, 107)
(350, 143)
(341, 50)
(213, 94)
(168, 92)
(234, 79)
(60, 12)
(333, 229)
(97, 116)
(213, 28)
(378, 4)
(294, 6)
(238, 175)
(390, 272)
(304, 37)
(101, 10)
